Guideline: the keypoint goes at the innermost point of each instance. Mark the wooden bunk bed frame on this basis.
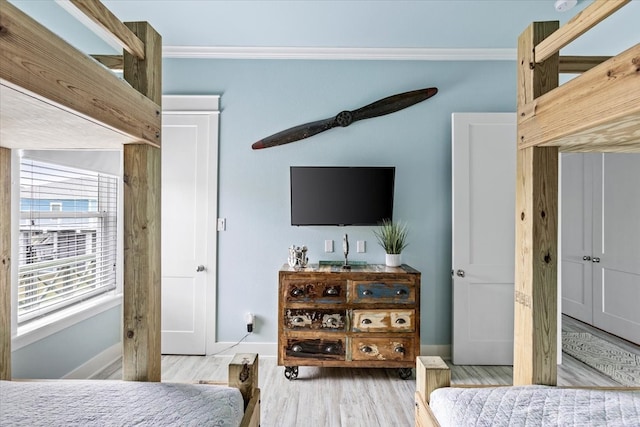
(597, 111)
(55, 97)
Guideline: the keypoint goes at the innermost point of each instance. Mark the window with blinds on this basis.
(68, 237)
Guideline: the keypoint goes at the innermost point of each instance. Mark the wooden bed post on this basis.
(142, 174)
(535, 312)
(5, 263)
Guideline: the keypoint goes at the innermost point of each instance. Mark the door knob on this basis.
(200, 268)
(595, 259)
(460, 273)
(586, 258)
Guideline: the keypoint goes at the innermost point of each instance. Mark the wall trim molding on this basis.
(230, 348)
(97, 363)
(443, 351)
(339, 53)
(270, 349)
(266, 349)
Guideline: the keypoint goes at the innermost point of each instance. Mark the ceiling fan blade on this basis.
(384, 106)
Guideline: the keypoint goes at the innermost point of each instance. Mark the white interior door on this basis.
(484, 168)
(576, 206)
(616, 245)
(189, 173)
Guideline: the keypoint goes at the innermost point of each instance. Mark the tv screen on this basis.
(340, 195)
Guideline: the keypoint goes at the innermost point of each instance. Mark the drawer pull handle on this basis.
(297, 292)
(332, 291)
(399, 349)
(330, 349)
(366, 349)
(401, 321)
(367, 292)
(296, 348)
(401, 292)
(298, 320)
(366, 321)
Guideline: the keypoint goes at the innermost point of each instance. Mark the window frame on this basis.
(108, 162)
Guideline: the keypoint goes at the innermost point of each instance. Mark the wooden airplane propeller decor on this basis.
(381, 107)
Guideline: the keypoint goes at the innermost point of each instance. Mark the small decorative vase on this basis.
(392, 260)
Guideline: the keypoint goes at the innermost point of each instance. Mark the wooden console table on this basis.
(368, 316)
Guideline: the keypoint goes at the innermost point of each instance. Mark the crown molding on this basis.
(339, 53)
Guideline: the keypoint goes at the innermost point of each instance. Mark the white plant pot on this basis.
(392, 260)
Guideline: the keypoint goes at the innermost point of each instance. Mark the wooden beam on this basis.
(243, 374)
(576, 26)
(5, 264)
(580, 64)
(96, 94)
(142, 230)
(112, 62)
(431, 373)
(142, 270)
(535, 305)
(598, 110)
(145, 74)
(100, 15)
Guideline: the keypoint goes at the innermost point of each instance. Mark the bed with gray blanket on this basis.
(118, 403)
(106, 403)
(438, 403)
(534, 405)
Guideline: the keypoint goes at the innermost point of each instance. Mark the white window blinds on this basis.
(68, 237)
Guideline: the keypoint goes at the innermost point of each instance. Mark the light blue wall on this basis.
(58, 354)
(262, 97)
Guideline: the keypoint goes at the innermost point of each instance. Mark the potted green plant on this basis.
(392, 236)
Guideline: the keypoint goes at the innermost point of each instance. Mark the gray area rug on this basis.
(603, 356)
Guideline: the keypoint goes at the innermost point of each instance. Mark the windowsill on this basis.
(41, 328)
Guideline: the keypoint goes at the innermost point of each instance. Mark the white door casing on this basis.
(483, 173)
(189, 215)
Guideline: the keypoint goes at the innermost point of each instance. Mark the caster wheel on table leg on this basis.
(405, 373)
(291, 372)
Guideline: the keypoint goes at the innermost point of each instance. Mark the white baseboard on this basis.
(96, 363)
(268, 349)
(443, 351)
(271, 349)
(229, 348)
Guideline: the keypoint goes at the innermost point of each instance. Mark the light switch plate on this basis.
(328, 245)
(361, 246)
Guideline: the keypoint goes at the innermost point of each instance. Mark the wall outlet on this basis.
(249, 319)
(361, 246)
(328, 245)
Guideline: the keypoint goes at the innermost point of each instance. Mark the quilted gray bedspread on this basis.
(118, 403)
(534, 406)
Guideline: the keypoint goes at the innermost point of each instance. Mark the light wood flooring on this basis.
(349, 397)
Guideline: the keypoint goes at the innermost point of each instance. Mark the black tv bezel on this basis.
(391, 198)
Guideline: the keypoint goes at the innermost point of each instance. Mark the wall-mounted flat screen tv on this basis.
(341, 195)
